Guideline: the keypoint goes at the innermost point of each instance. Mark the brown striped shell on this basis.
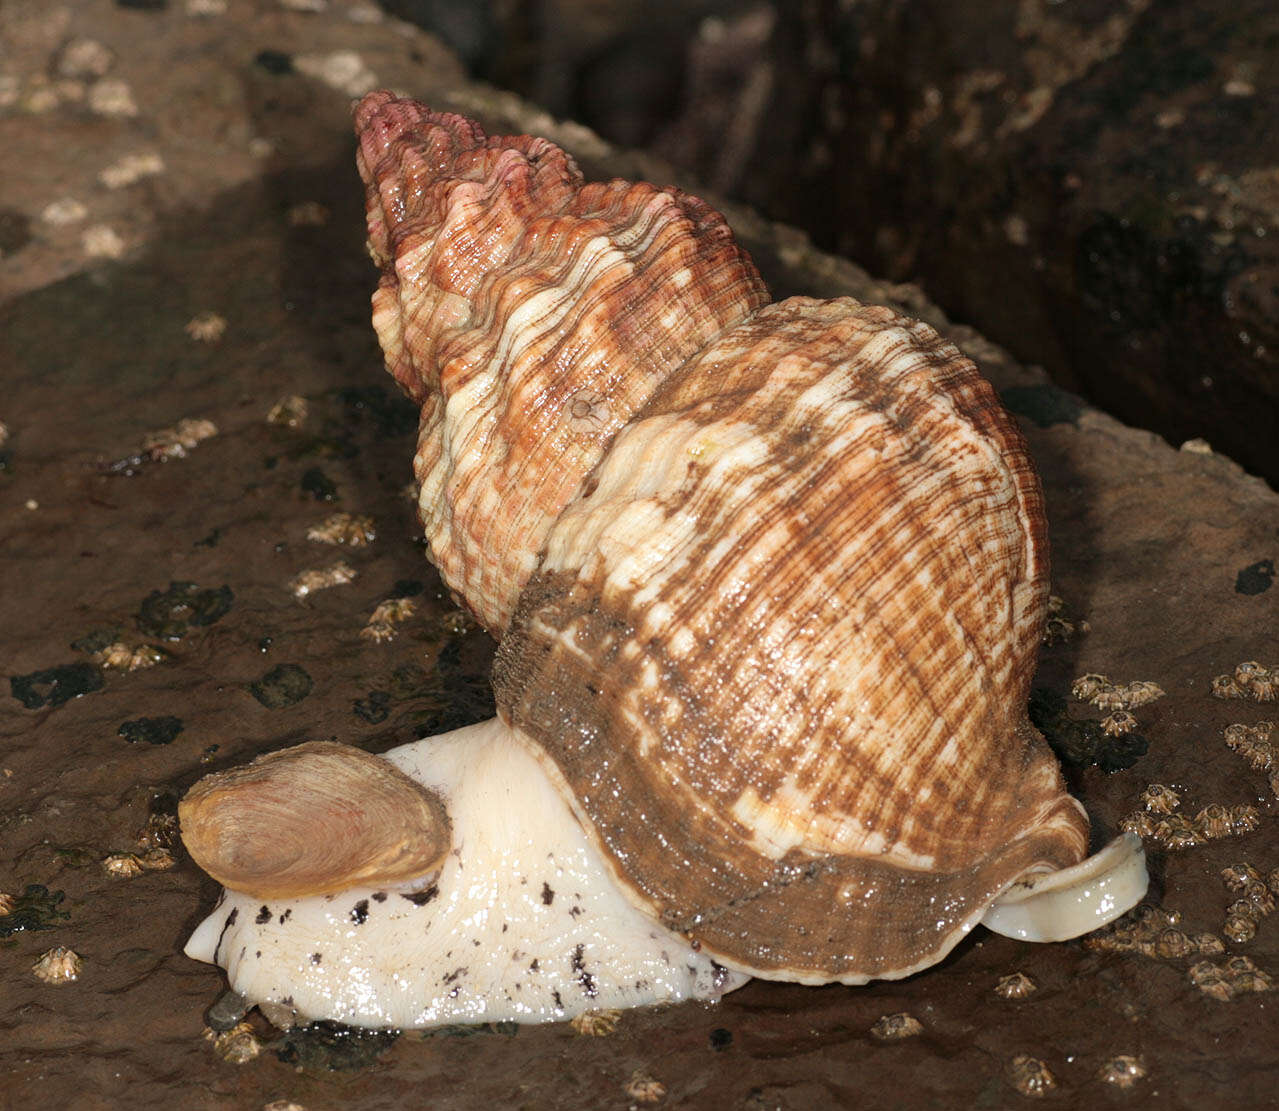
(769, 578)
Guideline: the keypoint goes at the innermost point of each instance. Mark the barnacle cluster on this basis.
(1160, 821)
(1254, 744)
(1153, 932)
(1250, 680)
(1256, 899)
(1229, 979)
(1106, 695)
(1156, 933)
(128, 865)
(120, 656)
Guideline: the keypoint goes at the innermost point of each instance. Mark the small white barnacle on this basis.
(895, 1027)
(122, 865)
(1118, 723)
(206, 327)
(1122, 1071)
(58, 965)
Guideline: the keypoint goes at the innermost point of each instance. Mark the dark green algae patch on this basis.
(35, 909)
(282, 686)
(170, 614)
(53, 686)
(1081, 742)
(155, 731)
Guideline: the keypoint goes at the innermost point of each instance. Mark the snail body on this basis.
(768, 582)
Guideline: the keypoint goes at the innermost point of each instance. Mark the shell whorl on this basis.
(771, 619)
(530, 315)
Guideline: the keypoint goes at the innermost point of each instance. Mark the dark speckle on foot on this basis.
(360, 912)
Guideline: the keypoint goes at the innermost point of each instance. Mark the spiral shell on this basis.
(769, 578)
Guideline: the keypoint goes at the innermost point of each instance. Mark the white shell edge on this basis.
(1056, 906)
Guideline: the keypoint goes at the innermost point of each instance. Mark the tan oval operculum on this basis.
(311, 820)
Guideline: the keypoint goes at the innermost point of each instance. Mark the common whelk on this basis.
(768, 581)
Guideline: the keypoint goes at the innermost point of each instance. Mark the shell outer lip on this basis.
(1057, 906)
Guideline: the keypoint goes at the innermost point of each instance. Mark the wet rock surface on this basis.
(1095, 186)
(1167, 556)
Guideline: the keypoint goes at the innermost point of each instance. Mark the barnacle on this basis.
(305, 583)
(386, 616)
(892, 1028)
(1118, 723)
(1160, 799)
(1016, 985)
(1123, 1071)
(58, 965)
(350, 529)
(596, 1024)
(1030, 1076)
(207, 327)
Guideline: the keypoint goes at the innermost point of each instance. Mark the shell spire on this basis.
(530, 315)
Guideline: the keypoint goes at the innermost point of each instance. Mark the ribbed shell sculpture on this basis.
(768, 581)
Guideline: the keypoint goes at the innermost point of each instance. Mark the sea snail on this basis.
(768, 582)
